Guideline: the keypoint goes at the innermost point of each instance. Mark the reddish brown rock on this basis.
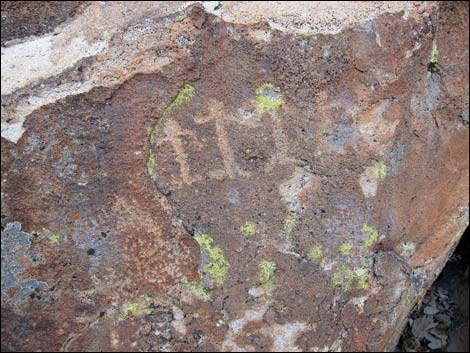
(204, 177)
(27, 18)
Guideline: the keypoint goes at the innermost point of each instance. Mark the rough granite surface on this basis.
(228, 176)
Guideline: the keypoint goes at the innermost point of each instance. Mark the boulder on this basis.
(228, 176)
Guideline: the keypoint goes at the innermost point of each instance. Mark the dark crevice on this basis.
(441, 321)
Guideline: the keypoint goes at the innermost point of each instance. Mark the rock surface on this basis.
(228, 175)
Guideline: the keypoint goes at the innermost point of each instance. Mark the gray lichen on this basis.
(15, 245)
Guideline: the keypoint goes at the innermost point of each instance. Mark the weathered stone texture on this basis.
(229, 176)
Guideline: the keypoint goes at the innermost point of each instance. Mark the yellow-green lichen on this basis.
(153, 133)
(461, 231)
(342, 278)
(345, 249)
(139, 307)
(348, 279)
(433, 67)
(315, 252)
(289, 223)
(408, 249)
(54, 239)
(362, 278)
(266, 274)
(248, 229)
(434, 52)
(268, 98)
(151, 165)
(199, 290)
(380, 170)
(373, 235)
(185, 94)
(215, 265)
